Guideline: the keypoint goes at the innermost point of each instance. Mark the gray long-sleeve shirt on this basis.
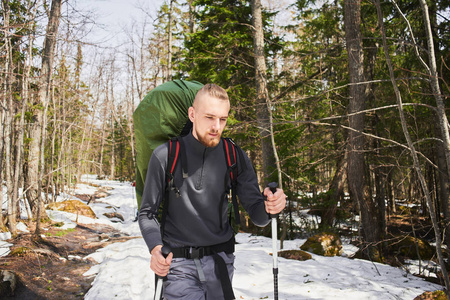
(193, 218)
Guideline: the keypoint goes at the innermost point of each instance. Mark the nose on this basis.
(216, 124)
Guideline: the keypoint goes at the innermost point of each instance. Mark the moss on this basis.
(19, 251)
(325, 244)
(371, 253)
(406, 246)
(73, 206)
(436, 295)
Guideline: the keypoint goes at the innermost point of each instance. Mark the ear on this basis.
(191, 114)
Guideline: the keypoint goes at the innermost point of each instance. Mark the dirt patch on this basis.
(52, 266)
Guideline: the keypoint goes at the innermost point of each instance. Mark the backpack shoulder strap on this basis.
(231, 155)
(172, 159)
(174, 153)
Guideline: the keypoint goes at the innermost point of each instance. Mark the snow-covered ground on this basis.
(123, 270)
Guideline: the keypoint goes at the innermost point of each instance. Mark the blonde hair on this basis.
(212, 90)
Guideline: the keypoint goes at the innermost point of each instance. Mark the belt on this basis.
(199, 252)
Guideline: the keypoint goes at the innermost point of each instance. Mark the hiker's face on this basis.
(209, 116)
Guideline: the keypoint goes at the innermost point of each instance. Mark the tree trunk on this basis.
(262, 110)
(416, 163)
(337, 189)
(444, 185)
(380, 199)
(169, 43)
(265, 119)
(434, 82)
(392, 209)
(37, 129)
(442, 117)
(9, 119)
(356, 162)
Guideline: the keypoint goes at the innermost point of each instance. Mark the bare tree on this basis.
(169, 43)
(8, 117)
(416, 163)
(442, 117)
(263, 94)
(262, 110)
(37, 133)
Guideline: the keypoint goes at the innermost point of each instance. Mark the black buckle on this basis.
(195, 252)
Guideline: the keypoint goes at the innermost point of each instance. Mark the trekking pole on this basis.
(273, 189)
(159, 286)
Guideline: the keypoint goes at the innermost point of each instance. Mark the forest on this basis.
(343, 103)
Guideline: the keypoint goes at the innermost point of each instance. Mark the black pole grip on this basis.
(273, 188)
(165, 250)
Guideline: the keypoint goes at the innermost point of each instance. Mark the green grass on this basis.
(61, 233)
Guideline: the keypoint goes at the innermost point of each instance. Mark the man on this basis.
(196, 226)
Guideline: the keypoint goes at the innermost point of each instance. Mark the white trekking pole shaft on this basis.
(159, 285)
(273, 189)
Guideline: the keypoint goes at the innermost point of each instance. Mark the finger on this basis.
(161, 259)
(275, 207)
(268, 191)
(269, 195)
(168, 260)
(156, 269)
(160, 270)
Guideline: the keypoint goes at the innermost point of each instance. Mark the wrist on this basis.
(156, 248)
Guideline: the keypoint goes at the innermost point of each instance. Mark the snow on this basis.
(123, 270)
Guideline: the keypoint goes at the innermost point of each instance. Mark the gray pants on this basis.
(186, 281)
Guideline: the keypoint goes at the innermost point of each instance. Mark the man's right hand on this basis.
(158, 263)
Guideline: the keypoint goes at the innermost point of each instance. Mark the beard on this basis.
(208, 141)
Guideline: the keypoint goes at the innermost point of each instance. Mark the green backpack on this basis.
(161, 115)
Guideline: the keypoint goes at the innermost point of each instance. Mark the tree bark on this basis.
(337, 190)
(265, 119)
(434, 82)
(262, 110)
(37, 131)
(9, 119)
(444, 185)
(356, 161)
(442, 117)
(169, 43)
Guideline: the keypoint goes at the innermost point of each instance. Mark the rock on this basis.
(436, 295)
(406, 246)
(8, 283)
(101, 194)
(325, 244)
(73, 206)
(295, 254)
(114, 215)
